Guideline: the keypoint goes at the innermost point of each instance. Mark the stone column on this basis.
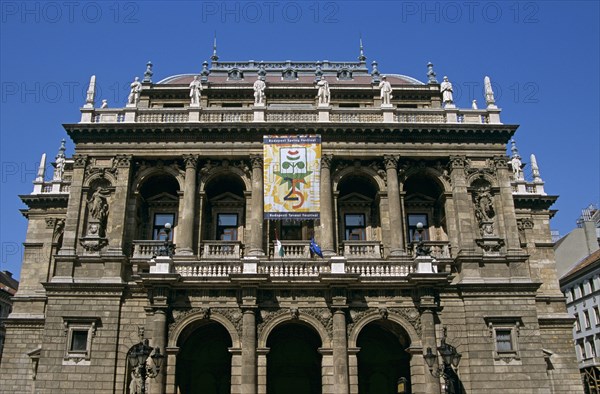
(428, 306)
(340, 353)
(249, 352)
(327, 227)
(396, 241)
(257, 218)
(185, 233)
(159, 336)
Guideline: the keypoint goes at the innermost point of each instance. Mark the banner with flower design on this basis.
(292, 167)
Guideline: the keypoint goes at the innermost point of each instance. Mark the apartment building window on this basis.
(597, 315)
(581, 289)
(592, 286)
(586, 319)
(592, 347)
(577, 324)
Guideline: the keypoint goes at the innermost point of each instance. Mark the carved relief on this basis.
(234, 315)
(122, 161)
(191, 161)
(179, 315)
(80, 161)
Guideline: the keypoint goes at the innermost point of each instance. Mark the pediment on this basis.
(355, 198)
(162, 198)
(228, 199)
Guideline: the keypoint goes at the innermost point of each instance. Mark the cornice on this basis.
(533, 201)
(42, 201)
(254, 131)
(84, 289)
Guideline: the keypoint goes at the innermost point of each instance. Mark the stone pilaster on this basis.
(249, 370)
(463, 206)
(257, 211)
(185, 233)
(159, 338)
(508, 215)
(118, 207)
(327, 227)
(396, 241)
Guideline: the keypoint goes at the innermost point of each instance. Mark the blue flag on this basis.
(315, 248)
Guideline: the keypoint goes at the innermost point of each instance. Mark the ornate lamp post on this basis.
(421, 249)
(167, 248)
(138, 357)
(450, 361)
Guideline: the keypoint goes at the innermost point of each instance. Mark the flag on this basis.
(315, 248)
(279, 248)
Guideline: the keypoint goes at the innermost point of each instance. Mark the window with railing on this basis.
(158, 229)
(227, 225)
(355, 226)
(414, 234)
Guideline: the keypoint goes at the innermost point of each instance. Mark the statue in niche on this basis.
(323, 93)
(195, 91)
(484, 211)
(98, 210)
(259, 92)
(386, 91)
(134, 94)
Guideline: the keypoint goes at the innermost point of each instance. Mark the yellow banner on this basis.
(291, 176)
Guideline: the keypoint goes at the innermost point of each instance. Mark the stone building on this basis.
(433, 243)
(579, 254)
(8, 288)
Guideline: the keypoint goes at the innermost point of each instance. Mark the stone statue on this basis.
(195, 91)
(59, 170)
(104, 103)
(386, 91)
(134, 94)
(323, 93)
(474, 104)
(489, 93)
(446, 89)
(98, 206)
(259, 92)
(484, 211)
(517, 167)
(134, 386)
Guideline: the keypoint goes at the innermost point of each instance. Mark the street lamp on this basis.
(450, 361)
(138, 356)
(167, 248)
(421, 249)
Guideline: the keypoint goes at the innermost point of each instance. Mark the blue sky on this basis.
(542, 57)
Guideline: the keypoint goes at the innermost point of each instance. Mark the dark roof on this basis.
(581, 266)
(8, 283)
(249, 78)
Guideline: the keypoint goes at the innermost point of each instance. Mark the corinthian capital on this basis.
(326, 161)
(391, 162)
(257, 161)
(191, 161)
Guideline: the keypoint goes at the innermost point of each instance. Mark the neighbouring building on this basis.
(580, 254)
(8, 288)
(189, 226)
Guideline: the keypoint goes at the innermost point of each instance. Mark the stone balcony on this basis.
(268, 114)
(364, 259)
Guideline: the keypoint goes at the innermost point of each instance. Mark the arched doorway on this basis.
(382, 359)
(293, 362)
(204, 361)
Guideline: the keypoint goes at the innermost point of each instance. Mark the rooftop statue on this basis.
(323, 93)
(195, 91)
(386, 91)
(259, 92)
(446, 89)
(134, 94)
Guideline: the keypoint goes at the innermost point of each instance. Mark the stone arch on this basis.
(101, 177)
(481, 176)
(149, 172)
(215, 172)
(430, 173)
(197, 318)
(361, 170)
(415, 339)
(307, 319)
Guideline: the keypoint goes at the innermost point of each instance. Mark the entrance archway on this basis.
(293, 362)
(204, 361)
(382, 359)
